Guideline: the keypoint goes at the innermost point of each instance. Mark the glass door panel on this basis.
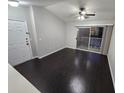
(96, 38)
(83, 42)
(83, 38)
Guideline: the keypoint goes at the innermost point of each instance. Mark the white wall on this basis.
(18, 84)
(50, 31)
(71, 32)
(111, 55)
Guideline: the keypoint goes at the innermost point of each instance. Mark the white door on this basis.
(19, 49)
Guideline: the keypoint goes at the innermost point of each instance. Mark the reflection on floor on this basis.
(69, 71)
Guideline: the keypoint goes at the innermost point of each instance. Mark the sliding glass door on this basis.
(90, 38)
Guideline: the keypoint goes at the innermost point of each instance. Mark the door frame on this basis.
(30, 47)
(103, 35)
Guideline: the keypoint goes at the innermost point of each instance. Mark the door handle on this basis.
(27, 43)
(26, 38)
(27, 33)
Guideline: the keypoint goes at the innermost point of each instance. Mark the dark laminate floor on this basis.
(69, 71)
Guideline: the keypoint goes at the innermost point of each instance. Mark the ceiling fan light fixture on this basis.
(81, 17)
(83, 12)
(13, 3)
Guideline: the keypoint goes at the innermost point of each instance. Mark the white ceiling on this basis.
(67, 9)
(39, 2)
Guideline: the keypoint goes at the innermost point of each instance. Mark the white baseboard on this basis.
(63, 48)
(85, 50)
(111, 71)
(51, 52)
(34, 57)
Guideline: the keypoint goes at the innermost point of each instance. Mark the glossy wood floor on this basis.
(69, 71)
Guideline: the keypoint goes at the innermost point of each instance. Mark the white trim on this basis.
(83, 26)
(51, 52)
(89, 39)
(86, 50)
(63, 48)
(111, 71)
(35, 57)
(34, 29)
(103, 40)
(31, 54)
(87, 25)
(31, 58)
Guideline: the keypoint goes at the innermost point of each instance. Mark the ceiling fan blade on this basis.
(90, 14)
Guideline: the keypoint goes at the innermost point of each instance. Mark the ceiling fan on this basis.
(83, 14)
